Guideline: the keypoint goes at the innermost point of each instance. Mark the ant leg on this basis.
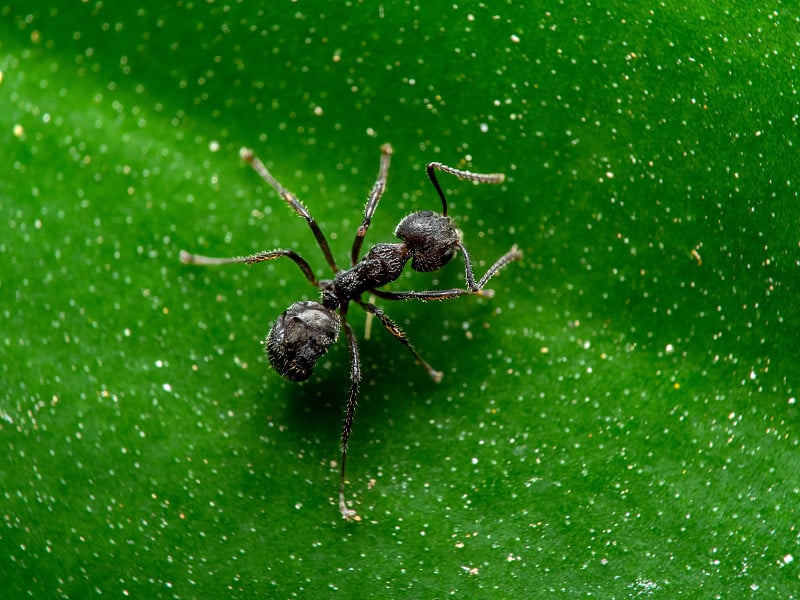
(479, 177)
(292, 201)
(372, 203)
(475, 287)
(352, 401)
(401, 337)
(196, 259)
(510, 256)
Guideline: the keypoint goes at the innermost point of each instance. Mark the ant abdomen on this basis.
(300, 336)
(430, 238)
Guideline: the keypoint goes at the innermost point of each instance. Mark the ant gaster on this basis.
(305, 331)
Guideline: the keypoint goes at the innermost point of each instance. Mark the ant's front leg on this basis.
(510, 256)
(372, 202)
(473, 287)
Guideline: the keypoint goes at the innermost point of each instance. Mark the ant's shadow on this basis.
(315, 408)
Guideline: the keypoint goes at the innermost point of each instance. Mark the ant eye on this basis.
(431, 240)
(300, 336)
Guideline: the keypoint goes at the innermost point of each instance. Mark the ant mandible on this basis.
(305, 330)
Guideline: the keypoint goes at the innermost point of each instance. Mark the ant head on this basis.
(300, 336)
(430, 238)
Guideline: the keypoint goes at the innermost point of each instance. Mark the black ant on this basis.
(305, 330)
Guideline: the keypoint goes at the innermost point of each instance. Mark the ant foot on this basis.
(348, 514)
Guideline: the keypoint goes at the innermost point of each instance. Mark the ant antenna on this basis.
(478, 177)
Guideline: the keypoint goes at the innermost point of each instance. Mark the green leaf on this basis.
(619, 420)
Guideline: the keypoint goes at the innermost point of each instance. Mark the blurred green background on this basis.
(620, 420)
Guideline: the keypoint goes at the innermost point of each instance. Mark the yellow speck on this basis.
(470, 570)
(676, 385)
(697, 257)
(19, 130)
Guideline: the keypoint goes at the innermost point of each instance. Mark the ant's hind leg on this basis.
(207, 261)
(352, 401)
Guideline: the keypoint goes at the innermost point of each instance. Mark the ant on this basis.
(305, 330)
